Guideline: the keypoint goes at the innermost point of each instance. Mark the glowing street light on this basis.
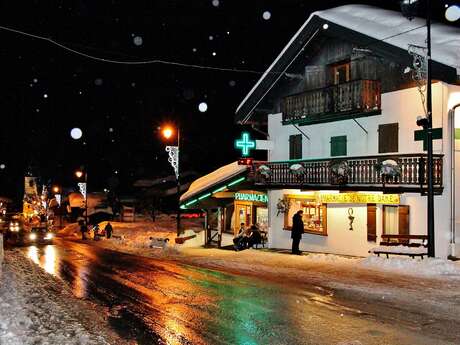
(56, 189)
(167, 132)
(84, 191)
(173, 159)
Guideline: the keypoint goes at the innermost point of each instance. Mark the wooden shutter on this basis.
(339, 146)
(371, 223)
(295, 146)
(403, 215)
(388, 137)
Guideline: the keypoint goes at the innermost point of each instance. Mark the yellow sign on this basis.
(359, 198)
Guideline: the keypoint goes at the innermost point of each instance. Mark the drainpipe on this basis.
(452, 176)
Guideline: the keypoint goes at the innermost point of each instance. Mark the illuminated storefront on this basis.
(229, 199)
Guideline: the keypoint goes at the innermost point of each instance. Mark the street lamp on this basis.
(57, 196)
(409, 8)
(83, 190)
(174, 160)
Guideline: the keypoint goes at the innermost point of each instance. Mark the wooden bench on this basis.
(390, 241)
(263, 239)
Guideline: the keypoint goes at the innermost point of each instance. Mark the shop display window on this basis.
(314, 214)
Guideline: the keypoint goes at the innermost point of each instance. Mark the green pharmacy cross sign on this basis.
(245, 144)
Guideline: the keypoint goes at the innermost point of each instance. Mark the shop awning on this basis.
(226, 178)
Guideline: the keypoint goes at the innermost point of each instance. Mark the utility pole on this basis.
(178, 183)
(429, 138)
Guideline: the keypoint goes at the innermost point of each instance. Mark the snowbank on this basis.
(400, 249)
(37, 308)
(426, 267)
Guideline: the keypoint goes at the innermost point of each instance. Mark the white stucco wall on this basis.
(400, 106)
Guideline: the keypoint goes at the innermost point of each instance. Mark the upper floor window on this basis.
(339, 146)
(341, 73)
(388, 137)
(295, 146)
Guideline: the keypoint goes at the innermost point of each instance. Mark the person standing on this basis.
(108, 230)
(297, 231)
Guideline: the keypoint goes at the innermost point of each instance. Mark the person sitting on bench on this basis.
(239, 239)
(255, 236)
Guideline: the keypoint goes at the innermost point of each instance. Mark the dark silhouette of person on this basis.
(237, 240)
(297, 231)
(108, 230)
(256, 236)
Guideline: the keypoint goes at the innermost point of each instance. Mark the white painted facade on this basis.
(403, 107)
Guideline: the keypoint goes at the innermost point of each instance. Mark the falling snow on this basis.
(138, 41)
(76, 133)
(266, 15)
(203, 107)
(215, 3)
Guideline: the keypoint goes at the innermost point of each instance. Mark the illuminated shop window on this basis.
(314, 214)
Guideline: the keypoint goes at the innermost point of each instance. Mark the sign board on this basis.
(359, 198)
(245, 144)
(251, 197)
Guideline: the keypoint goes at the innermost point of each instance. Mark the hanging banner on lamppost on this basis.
(82, 186)
(58, 199)
(174, 158)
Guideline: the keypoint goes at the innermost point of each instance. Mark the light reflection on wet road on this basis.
(159, 302)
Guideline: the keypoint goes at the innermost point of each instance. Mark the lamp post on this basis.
(409, 9)
(57, 196)
(84, 190)
(174, 160)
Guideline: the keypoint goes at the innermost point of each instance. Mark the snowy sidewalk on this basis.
(36, 308)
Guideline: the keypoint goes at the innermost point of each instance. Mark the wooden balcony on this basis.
(351, 173)
(352, 99)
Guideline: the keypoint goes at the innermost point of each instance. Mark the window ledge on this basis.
(309, 232)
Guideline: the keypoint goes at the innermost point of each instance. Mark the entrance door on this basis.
(243, 215)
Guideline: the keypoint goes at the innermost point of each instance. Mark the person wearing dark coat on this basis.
(108, 230)
(297, 231)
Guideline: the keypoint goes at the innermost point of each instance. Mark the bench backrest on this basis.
(404, 237)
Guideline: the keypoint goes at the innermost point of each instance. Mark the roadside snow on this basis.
(36, 308)
(417, 267)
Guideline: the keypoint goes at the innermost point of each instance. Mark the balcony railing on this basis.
(327, 104)
(374, 172)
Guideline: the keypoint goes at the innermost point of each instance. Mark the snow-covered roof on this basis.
(380, 24)
(217, 176)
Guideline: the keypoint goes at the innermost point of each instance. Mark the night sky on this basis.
(46, 91)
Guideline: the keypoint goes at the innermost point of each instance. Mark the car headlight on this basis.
(48, 236)
(33, 237)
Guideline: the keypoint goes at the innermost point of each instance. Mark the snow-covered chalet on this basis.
(341, 102)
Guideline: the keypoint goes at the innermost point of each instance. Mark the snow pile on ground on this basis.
(72, 229)
(36, 308)
(425, 267)
(400, 249)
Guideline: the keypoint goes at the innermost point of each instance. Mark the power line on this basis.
(122, 62)
(159, 61)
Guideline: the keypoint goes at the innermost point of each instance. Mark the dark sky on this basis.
(119, 107)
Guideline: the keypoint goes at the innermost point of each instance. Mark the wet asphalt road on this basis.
(159, 302)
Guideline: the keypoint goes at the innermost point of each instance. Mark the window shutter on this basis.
(371, 223)
(339, 146)
(403, 215)
(295, 146)
(388, 137)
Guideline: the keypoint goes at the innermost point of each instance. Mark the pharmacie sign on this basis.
(251, 197)
(360, 198)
